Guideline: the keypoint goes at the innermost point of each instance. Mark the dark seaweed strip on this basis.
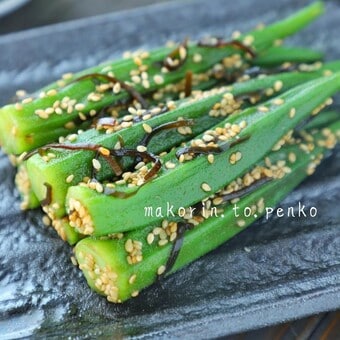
(132, 91)
(176, 53)
(246, 191)
(188, 84)
(204, 150)
(148, 156)
(166, 126)
(234, 43)
(182, 227)
(115, 153)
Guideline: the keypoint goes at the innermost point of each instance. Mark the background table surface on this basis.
(39, 13)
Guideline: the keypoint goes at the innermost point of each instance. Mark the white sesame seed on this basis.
(241, 223)
(69, 178)
(205, 187)
(161, 270)
(147, 128)
(170, 165)
(278, 85)
(67, 75)
(150, 238)
(79, 107)
(210, 158)
(197, 58)
(263, 109)
(96, 164)
(27, 100)
(141, 148)
(51, 92)
(292, 112)
(158, 79)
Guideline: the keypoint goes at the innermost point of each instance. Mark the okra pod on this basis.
(43, 118)
(238, 142)
(68, 168)
(120, 266)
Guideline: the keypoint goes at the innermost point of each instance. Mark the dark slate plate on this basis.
(292, 268)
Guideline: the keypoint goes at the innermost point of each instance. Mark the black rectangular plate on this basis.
(293, 266)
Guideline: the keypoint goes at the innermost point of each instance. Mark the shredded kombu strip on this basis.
(204, 150)
(219, 42)
(175, 59)
(247, 190)
(166, 126)
(131, 90)
(188, 84)
(182, 227)
(123, 152)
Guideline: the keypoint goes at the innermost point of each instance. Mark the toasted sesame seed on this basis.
(248, 40)
(147, 128)
(278, 101)
(141, 148)
(278, 85)
(263, 109)
(132, 279)
(292, 157)
(27, 100)
(161, 270)
(211, 158)
(18, 106)
(292, 112)
(135, 293)
(51, 92)
(170, 165)
(67, 75)
(158, 79)
(197, 58)
(241, 223)
(162, 243)
(74, 261)
(129, 246)
(99, 187)
(104, 151)
(116, 88)
(79, 107)
(46, 220)
(150, 238)
(69, 178)
(20, 93)
(205, 187)
(96, 164)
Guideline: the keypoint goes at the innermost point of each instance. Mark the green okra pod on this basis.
(68, 168)
(43, 118)
(120, 266)
(239, 141)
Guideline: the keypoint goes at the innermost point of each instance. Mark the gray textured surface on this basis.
(292, 270)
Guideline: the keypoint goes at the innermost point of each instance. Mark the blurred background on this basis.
(17, 15)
